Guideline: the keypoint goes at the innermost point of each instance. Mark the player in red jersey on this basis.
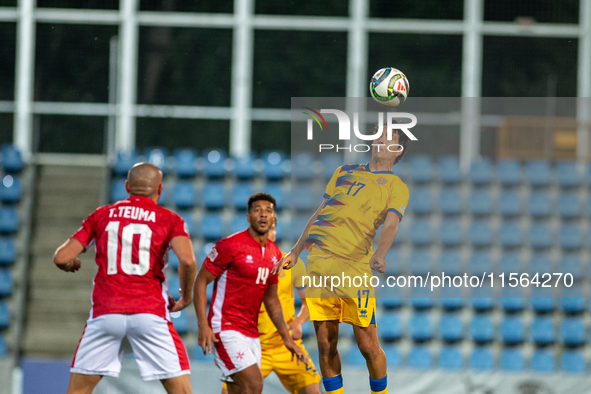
(240, 265)
(130, 296)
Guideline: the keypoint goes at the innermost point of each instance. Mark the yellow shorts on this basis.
(352, 301)
(292, 375)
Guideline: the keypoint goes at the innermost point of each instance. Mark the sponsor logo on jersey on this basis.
(402, 208)
(249, 259)
(382, 181)
(212, 254)
(363, 313)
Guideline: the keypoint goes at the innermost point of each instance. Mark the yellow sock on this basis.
(334, 385)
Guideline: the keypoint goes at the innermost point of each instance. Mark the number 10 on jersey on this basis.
(127, 234)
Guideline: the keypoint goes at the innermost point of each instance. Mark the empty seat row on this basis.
(507, 171)
(11, 159)
(6, 284)
(480, 233)
(569, 205)
(10, 189)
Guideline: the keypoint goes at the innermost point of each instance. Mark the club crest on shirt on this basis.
(381, 180)
(249, 259)
(274, 259)
(212, 254)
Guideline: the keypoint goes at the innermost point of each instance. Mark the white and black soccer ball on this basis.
(389, 87)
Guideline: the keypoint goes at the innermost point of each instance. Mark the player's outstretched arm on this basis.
(66, 255)
(183, 248)
(273, 306)
(205, 335)
(290, 259)
(387, 236)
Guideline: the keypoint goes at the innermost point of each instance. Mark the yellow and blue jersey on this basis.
(357, 202)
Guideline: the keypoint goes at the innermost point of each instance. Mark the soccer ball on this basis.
(389, 87)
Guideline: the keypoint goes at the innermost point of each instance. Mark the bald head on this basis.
(145, 179)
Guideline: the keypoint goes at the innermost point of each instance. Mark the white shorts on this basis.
(235, 352)
(158, 348)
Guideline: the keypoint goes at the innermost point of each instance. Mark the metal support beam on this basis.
(584, 81)
(242, 48)
(471, 83)
(25, 73)
(127, 82)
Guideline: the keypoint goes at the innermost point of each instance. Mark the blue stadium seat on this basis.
(510, 235)
(538, 172)
(8, 220)
(572, 361)
(539, 204)
(420, 327)
(450, 263)
(10, 189)
(420, 232)
(569, 236)
(571, 264)
(173, 286)
(572, 331)
(273, 164)
(480, 202)
(118, 191)
(389, 297)
(450, 232)
(481, 359)
(449, 169)
(214, 163)
(542, 330)
(481, 299)
(540, 263)
(12, 159)
(567, 174)
(330, 162)
(450, 201)
(124, 161)
(542, 300)
(181, 323)
(302, 165)
(244, 166)
(240, 194)
(4, 315)
(480, 233)
(394, 262)
(390, 327)
(165, 196)
(419, 358)
(451, 298)
(158, 157)
(480, 263)
(569, 205)
(209, 292)
(3, 347)
(571, 299)
(511, 330)
(420, 297)
(204, 251)
(511, 298)
(509, 172)
(509, 203)
(510, 262)
(276, 190)
(185, 163)
(421, 168)
(481, 329)
(354, 358)
(392, 355)
(511, 360)
(420, 262)
(188, 218)
(183, 194)
(212, 226)
(304, 198)
(480, 172)
(450, 328)
(173, 261)
(213, 195)
(346, 331)
(542, 361)
(421, 200)
(198, 356)
(298, 225)
(450, 358)
(281, 230)
(540, 235)
(588, 174)
(7, 251)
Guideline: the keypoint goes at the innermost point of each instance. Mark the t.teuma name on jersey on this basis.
(133, 213)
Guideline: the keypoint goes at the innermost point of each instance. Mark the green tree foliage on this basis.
(176, 133)
(86, 4)
(547, 11)
(71, 134)
(225, 6)
(7, 60)
(303, 7)
(413, 9)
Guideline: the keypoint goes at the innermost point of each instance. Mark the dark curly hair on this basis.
(261, 196)
(402, 140)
